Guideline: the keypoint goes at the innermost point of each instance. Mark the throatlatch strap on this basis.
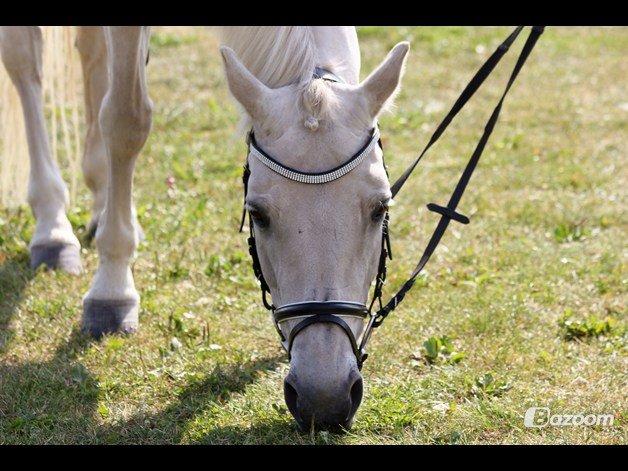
(449, 212)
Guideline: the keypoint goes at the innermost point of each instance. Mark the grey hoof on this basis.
(109, 316)
(66, 257)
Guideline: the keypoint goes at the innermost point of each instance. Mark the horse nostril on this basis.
(291, 397)
(357, 388)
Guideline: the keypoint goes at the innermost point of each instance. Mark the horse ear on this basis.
(244, 86)
(380, 87)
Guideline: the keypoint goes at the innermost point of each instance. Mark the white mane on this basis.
(279, 56)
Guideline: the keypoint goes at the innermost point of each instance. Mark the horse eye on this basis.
(258, 217)
(379, 212)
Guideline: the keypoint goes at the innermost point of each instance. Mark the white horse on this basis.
(314, 242)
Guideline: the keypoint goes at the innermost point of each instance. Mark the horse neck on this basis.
(337, 50)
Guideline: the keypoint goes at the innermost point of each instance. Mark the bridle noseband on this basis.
(312, 312)
(335, 312)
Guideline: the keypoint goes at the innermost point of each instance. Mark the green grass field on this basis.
(532, 293)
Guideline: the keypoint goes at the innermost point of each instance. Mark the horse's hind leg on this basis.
(111, 304)
(53, 243)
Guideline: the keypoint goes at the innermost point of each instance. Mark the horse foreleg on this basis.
(90, 42)
(53, 243)
(112, 303)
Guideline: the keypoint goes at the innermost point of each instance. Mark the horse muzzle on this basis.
(324, 387)
(331, 407)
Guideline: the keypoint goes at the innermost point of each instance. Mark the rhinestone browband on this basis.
(313, 178)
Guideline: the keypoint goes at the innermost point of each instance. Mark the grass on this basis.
(547, 238)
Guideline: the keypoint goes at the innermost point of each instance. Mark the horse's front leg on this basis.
(92, 47)
(111, 304)
(90, 42)
(53, 242)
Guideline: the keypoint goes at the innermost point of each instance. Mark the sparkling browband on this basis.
(312, 178)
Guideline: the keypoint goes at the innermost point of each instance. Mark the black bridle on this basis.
(334, 311)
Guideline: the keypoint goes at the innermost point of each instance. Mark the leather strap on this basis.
(346, 308)
(328, 318)
(467, 93)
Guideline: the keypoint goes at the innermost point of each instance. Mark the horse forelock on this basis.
(280, 56)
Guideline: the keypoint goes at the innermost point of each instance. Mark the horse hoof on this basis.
(66, 257)
(109, 316)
